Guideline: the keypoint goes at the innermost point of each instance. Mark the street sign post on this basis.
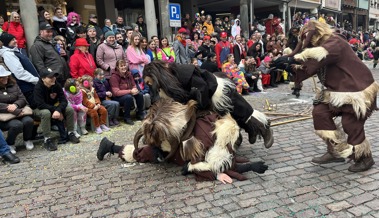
(175, 15)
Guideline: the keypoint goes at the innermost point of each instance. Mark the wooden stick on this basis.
(281, 117)
(283, 114)
(290, 121)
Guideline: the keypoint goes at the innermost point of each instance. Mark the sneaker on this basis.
(104, 128)
(29, 145)
(50, 145)
(98, 130)
(77, 134)
(83, 130)
(129, 121)
(111, 124)
(116, 123)
(72, 138)
(12, 148)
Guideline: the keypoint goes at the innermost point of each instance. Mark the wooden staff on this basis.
(290, 121)
(282, 117)
(283, 114)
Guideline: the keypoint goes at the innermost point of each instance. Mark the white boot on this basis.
(84, 130)
(12, 148)
(29, 145)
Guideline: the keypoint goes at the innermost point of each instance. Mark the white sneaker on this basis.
(29, 145)
(76, 134)
(84, 131)
(13, 149)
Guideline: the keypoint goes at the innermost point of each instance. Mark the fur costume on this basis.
(348, 90)
(211, 92)
(205, 147)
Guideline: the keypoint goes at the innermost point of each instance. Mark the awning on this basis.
(305, 4)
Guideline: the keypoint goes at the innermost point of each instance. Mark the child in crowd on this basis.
(74, 97)
(142, 88)
(103, 90)
(96, 111)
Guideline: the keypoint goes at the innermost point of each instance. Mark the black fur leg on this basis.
(258, 167)
(184, 170)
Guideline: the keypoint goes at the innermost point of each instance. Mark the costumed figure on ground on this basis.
(348, 90)
(203, 142)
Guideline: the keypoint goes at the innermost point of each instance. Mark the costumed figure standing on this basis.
(348, 90)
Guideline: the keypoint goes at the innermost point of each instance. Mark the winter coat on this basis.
(142, 28)
(21, 68)
(17, 30)
(82, 64)
(121, 85)
(107, 56)
(181, 56)
(209, 66)
(44, 55)
(137, 58)
(52, 98)
(90, 98)
(13, 96)
(101, 88)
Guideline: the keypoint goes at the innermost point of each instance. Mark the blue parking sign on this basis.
(175, 15)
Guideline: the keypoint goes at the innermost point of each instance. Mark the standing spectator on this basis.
(136, 30)
(218, 26)
(120, 40)
(168, 50)
(238, 50)
(12, 101)
(103, 90)
(93, 22)
(15, 28)
(81, 32)
(209, 25)
(60, 22)
(82, 62)
(124, 89)
(145, 48)
(255, 52)
(52, 109)
(141, 26)
(156, 40)
(44, 16)
(44, 54)
(1, 23)
(137, 58)
(73, 22)
(196, 41)
(91, 100)
(5, 152)
(205, 48)
(108, 26)
(180, 47)
(157, 53)
(108, 53)
(223, 48)
(93, 40)
(227, 26)
(129, 32)
(20, 66)
(236, 28)
(74, 97)
(119, 26)
(251, 41)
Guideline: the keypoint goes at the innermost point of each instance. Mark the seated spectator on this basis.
(268, 75)
(96, 111)
(210, 64)
(142, 87)
(103, 90)
(124, 89)
(231, 70)
(253, 77)
(255, 51)
(15, 28)
(74, 97)
(13, 102)
(52, 109)
(206, 48)
(5, 152)
(20, 66)
(108, 53)
(82, 62)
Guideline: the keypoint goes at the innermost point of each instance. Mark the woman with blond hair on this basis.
(137, 58)
(15, 28)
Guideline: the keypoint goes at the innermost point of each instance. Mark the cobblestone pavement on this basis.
(71, 182)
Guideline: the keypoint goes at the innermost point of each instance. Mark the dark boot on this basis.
(104, 148)
(327, 158)
(10, 158)
(258, 167)
(255, 127)
(362, 164)
(296, 92)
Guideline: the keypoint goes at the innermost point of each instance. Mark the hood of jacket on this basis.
(63, 19)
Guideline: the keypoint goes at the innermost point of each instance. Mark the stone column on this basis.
(244, 18)
(105, 9)
(164, 21)
(289, 17)
(251, 12)
(28, 10)
(150, 18)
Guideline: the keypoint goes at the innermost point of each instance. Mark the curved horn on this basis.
(174, 147)
(137, 137)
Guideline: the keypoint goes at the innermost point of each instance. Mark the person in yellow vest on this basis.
(208, 23)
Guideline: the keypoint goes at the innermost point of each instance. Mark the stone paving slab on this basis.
(71, 182)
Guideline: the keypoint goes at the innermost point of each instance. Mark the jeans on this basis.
(4, 147)
(16, 126)
(113, 108)
(127, 101)
(46, 121)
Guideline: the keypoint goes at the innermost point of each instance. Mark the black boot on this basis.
(296, 92)
(258, 167)
(10, 158)
(104, 148)
(255, 127)
(362, 164)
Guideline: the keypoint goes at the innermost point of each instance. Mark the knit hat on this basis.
(135, 72)
(109, 33)
(6, 38)
(267, 59)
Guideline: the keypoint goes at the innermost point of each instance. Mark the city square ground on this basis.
(71, 182)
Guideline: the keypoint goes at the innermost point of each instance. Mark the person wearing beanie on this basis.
(20, 66)
(108, 53)
(142, 88)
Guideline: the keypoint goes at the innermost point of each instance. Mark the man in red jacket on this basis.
(223, 48)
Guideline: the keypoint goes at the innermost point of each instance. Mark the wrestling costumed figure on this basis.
(348, 90)
(203, 142)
